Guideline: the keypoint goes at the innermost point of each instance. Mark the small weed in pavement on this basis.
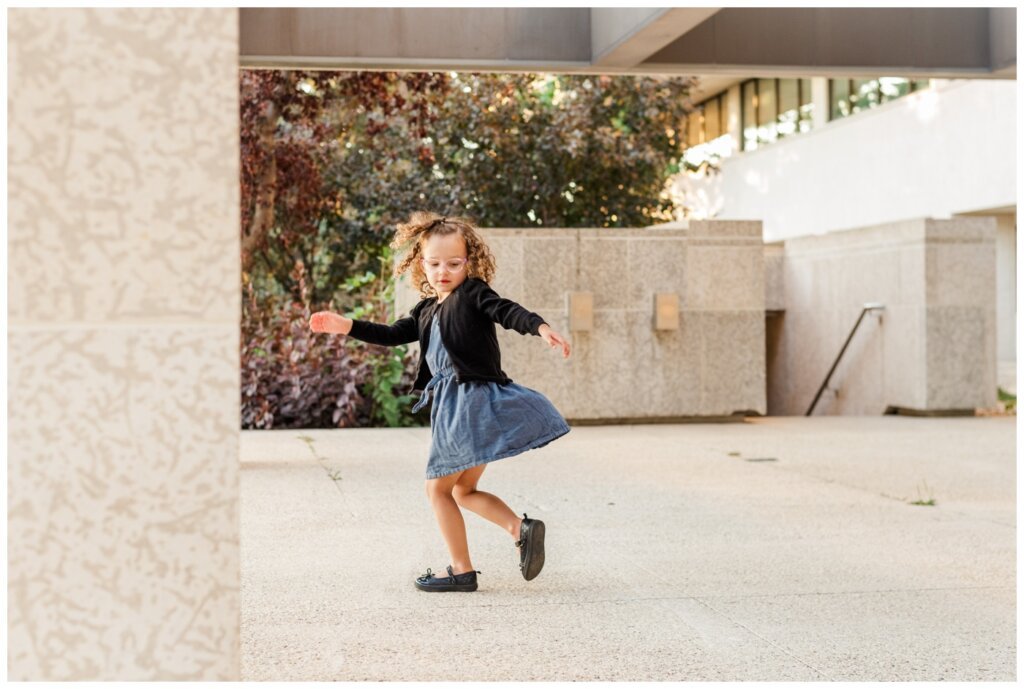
(929, 502)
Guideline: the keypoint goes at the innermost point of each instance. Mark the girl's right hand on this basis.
(328, 322)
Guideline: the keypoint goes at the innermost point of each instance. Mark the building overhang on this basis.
(916, 42)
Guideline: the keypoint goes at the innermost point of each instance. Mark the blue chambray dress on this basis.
(481, 421)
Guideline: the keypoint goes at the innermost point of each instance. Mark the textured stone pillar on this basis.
(124, 303)
(932, 350)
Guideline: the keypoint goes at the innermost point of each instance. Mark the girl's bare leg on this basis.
(487, 505)
(449, 518)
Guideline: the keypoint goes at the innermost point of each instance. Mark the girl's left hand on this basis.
(554, 339)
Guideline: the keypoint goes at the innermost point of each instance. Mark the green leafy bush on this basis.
(1008, 399)
(392, 370)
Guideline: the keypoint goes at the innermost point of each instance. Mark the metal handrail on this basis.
(870, 306)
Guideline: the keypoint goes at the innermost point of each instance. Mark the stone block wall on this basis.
(931, 350)
(624, 369)
(123, 337)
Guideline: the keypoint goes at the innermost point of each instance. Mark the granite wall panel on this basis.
(933, 347)
(712, 366)
(123, 340)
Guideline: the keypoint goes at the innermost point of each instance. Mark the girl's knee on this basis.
(460, 491)
(437, 487)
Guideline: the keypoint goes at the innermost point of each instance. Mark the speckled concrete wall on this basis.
(123, 528)
(932, 349)
(624, 369)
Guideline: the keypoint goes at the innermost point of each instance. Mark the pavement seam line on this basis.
(322, 461)
(794, 472)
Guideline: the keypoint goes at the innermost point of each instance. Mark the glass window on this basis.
(789, 102)
(705, 128)
(693, 128)
(767, 111)
(712, 120)
(749, 110)
(806, 120)
(789, 95)
(839, 98)
(847, 96)
(863, 94)
(723, 114)
(776, 108)
(805, 92)
(891, 88)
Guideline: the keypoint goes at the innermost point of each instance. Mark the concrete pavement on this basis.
(781, 548)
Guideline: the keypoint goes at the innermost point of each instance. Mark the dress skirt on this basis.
(480, 421)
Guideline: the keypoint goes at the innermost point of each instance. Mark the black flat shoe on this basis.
(531, 547)
(453, 582)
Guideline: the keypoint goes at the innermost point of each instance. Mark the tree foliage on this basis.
(332, 160)
(562, 151)
(294, 125)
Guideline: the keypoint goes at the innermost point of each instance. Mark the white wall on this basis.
(933, 153)
(944, 151)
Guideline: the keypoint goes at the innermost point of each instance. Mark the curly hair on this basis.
(423, 224)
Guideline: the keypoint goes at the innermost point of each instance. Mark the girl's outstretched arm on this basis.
(402, 331)
(512, 316)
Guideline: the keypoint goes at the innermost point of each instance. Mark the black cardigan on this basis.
(467, 321)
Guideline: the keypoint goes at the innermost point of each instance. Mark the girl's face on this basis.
(444, 262)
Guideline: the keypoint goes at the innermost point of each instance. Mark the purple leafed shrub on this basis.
(295, 378)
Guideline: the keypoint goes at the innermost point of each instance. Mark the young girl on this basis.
(478, 414)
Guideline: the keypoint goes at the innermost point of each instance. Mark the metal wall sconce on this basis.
(581, 311)
(666, 311)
